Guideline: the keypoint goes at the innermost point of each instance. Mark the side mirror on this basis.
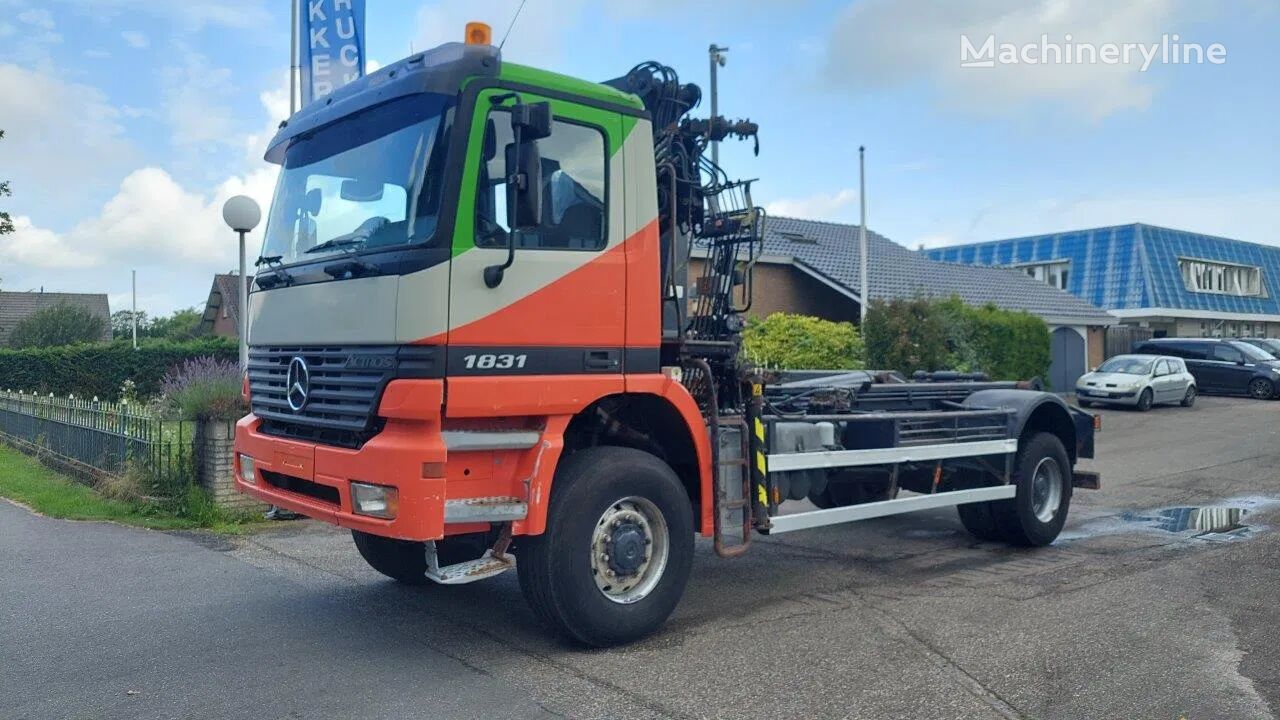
(1239, 361)
(524, 186)
(529, 124)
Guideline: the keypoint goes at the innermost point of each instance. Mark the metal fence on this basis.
(98, 438)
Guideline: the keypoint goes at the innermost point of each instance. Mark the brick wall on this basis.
(784, 288)
(214, 451)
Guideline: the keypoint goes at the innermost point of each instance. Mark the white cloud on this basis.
(822, 206)
(37, 18)
(30, 245)
(198, 100)
(882, 43)
(58, 135)
(135, 38)
(190, 15)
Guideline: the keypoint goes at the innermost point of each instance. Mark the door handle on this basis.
(601, 360)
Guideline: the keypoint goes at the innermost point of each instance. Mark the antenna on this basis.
(513, 24)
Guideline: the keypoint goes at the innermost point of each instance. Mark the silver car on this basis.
(1138, 381)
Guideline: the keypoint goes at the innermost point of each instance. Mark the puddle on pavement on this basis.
(1230, 520)
(1214, 519)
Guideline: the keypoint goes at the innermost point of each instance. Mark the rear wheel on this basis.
(1261, 389)
(845, 488)
(1144, 400)
(1035, 516)
(1190, 398)
(616, 554)
(406, 561)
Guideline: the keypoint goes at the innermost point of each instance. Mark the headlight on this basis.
(247, 470)
(374, 500)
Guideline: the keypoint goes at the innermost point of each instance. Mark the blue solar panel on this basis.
(1135, 266)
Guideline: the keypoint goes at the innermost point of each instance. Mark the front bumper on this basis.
(315, 480)
(1110, 397)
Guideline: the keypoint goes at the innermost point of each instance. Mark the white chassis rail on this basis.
(888, 456)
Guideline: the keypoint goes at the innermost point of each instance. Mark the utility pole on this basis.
(294, 69)
(863, 286)
(133, 314)
(716, 54)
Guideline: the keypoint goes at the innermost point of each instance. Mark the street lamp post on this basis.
(716, 54)
(242, 214)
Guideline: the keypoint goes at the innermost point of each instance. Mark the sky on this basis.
(129, 122)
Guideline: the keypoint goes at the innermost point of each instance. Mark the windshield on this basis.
(366, 182)
(1270, 345)
(1127, 365)
(1252, 352)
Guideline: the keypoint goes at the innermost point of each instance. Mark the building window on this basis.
(1216, 277)
(1054, 273)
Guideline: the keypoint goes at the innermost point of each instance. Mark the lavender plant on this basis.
(203, 388)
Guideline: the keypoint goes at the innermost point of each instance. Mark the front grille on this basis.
(346, 385)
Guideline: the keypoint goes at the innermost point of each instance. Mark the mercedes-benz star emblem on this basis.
(298, 384)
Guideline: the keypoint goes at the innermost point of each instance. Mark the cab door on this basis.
(559, 308)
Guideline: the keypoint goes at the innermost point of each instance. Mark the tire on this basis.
(1190, 398)
(596, 499)
(1029, 519)
(978, 517)
(1084, 403)
(1261, 389)
(406, 561)
(1144, 400)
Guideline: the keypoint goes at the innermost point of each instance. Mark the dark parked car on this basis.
(1230, 367)
(1271, 345)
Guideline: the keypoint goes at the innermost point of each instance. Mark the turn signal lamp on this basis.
(479, 33)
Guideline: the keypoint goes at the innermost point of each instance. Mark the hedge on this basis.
(926, 334)
(99, 370)
(792, 342)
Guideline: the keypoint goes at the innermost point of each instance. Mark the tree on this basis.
(62, 324)
(181, 325)
(122, 323)
(6, 222)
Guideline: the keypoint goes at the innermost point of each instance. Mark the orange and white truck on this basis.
(475, 342)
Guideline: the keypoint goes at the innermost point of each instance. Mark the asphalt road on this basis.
(901, 617)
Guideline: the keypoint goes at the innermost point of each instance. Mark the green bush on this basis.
(102, 369)
(62, 324)
(924, 334)
(788, 341)
(905, 335)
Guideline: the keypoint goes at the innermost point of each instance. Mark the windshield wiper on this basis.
(338, 242)
(278, 276)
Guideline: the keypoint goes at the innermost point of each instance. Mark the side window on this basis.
(1193, 351)
(573, 188)
(1227, 353)
(1162, 367)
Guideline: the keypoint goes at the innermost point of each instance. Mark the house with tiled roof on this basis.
(814, 268)
(18, 306)
(1174, 282)
(222, 307)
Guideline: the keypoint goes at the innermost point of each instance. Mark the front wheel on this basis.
(1144, 400)
(616, 554)
(1036, 514)
(1261, 389)
(406, 560)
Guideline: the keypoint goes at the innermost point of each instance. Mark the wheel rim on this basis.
(629, 550)
(1260, 388)
(1144, 401)
(1046, 489)
(1191, 396)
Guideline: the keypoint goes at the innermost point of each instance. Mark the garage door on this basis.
(1067, 352)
